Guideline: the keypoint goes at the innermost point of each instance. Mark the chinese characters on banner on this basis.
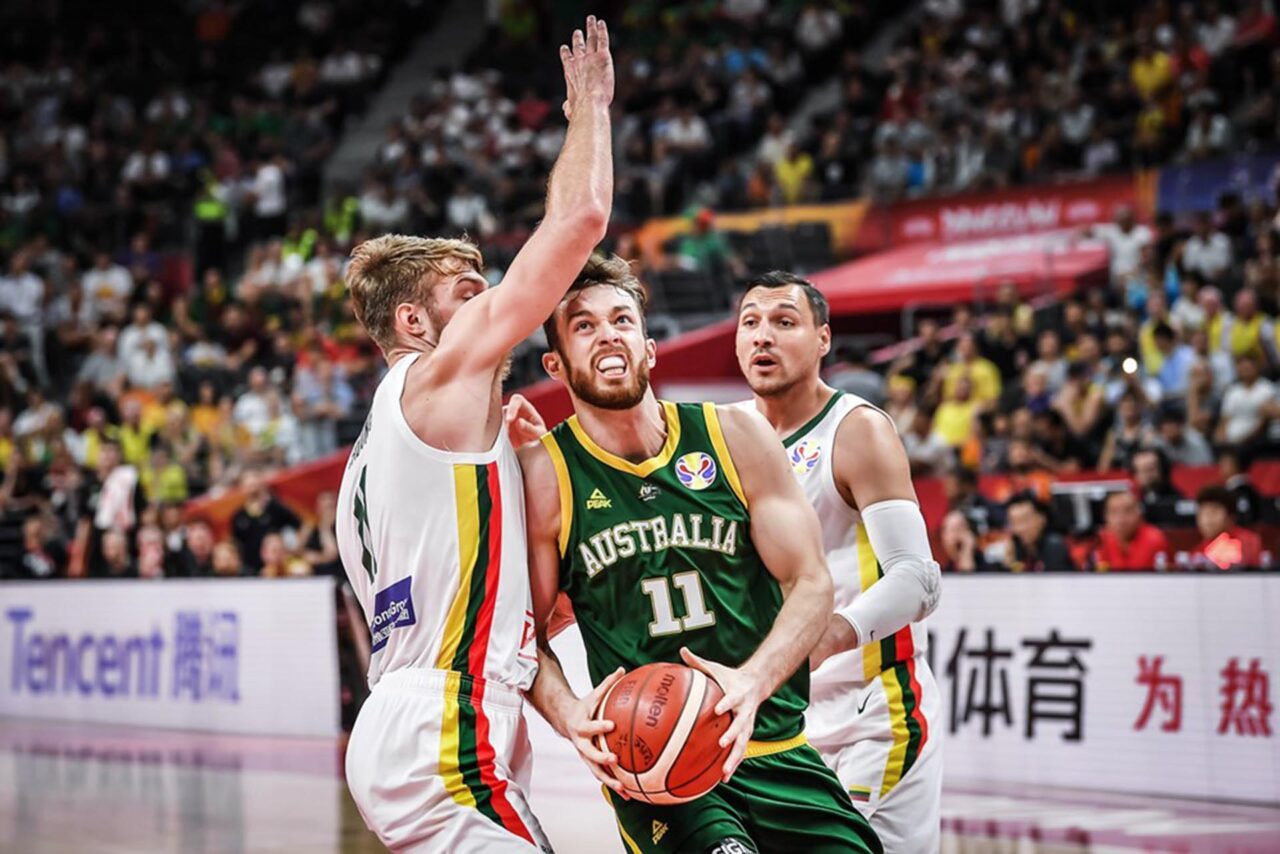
(206, 656)
(1055, 672)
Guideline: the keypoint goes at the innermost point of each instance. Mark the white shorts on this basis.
(883, 739)
(438, 762)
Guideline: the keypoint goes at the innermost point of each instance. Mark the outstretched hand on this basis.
(741, 697)
(588, 66)
(524, 423)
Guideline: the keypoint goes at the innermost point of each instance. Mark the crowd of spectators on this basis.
(123, 395)
(1170, 364)
(133, 150)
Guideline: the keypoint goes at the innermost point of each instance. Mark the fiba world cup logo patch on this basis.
(804, 455)
(696, 471)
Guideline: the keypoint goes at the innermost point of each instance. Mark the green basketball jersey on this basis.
(658, 555)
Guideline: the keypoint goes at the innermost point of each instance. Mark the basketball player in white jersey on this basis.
(431, 511)
(874, 707)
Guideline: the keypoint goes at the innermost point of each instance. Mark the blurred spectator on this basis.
(319, 543)
(1151, 473)
(1125, 239)
(1207, 251)
(1224, 544)
(901, 405)
(324, 397)
(1127, 436)
(116, 560)
(43, 554)
(151, 555)
(107, 288)
(954, 420)
(1248, 331)
(1183, 444)
(1175, 361)
(195, 559)
(1247, 405)
(1233, 467)
(926, 451)
(261, 515)
(851, 375)
(983, 375)
(226, 560)
(959, 542)
(983, 515)
(1033, 547)
(1126, 541)
(707, 250)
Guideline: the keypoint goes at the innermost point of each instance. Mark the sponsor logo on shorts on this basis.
(392, 609)
(697, 471)
(659, 831)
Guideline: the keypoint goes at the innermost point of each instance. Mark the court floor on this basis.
(74, 788)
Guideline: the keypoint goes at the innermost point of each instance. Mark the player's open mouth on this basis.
(763, 360)
(612, 366)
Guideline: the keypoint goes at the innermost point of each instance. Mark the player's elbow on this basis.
(587, 222)
(931, 584)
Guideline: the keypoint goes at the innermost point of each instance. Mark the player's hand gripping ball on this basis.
(666, 733)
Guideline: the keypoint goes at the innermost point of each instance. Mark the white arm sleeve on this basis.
(912, 582)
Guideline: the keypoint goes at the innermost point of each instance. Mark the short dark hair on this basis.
(1217, 494)
(1029, 498)
(1163, 330)
(782, 279)
(606, 270)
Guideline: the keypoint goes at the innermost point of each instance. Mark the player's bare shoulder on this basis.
(868, 457)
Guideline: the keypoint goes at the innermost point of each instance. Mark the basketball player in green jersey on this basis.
(874, 703)
(669, 551)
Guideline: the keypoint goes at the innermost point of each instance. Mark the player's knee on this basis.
(731, 845)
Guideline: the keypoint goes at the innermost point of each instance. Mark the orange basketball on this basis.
(666, 732)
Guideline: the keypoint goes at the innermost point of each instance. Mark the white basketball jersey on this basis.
(434, 545)
(850, 557)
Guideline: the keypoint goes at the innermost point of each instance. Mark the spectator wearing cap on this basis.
(1183, 444)
(851, 375)
(1247, 405)
(1126, 541)
(1033, 547)
(1224, 543)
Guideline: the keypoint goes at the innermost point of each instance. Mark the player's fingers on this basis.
(579, 44)
(605, 684)
(697, 662)
(591, 33)
(566, 55)
(735, 756)
(594, 754)
(605, 777)
(595, 727)
(602, 36)
(741, 724)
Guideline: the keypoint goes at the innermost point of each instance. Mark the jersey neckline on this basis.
(836, 394)
(643, 468)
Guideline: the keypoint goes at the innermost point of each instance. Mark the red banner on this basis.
(1019, 210)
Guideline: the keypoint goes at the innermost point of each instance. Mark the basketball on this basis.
(666, 733)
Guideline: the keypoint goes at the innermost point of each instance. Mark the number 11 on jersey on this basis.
(665, 621)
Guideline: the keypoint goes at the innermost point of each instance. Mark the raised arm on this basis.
(579, 200)
(788, 538)
(872, 472)
(551, 693)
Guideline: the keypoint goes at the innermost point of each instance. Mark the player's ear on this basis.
(650, 352)
(551, 364)
(412, 319)
(824, 336)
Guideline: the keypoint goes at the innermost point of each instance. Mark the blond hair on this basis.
(393, 268)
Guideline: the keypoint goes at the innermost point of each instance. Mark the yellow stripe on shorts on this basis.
(898, 717)
(450, 770)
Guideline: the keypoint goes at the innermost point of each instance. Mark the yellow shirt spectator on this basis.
(983, 375)
(791, 174)
(1151, 73)
(953, 422)
(135, 444)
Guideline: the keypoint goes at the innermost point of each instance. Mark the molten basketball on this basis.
(666, 732)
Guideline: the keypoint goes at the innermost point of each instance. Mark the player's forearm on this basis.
(550, 693)
(580, 189)
(797, 628)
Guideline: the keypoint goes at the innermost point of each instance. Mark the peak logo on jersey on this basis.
(804, 456)
(598, 501)
(649, 491)
(392, 609)
(696, 470)
(659, 831)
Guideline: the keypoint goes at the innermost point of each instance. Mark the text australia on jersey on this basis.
(691, 531)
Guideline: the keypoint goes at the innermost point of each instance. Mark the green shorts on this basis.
(780, 802)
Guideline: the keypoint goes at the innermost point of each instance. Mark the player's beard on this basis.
(583, 384)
